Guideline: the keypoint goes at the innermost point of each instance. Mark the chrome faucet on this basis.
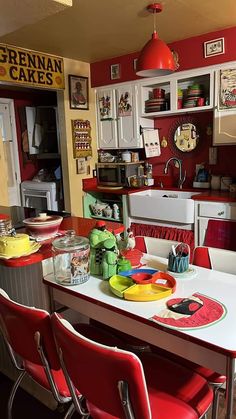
(181, 178)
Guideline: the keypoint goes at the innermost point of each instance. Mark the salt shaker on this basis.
(116, 212)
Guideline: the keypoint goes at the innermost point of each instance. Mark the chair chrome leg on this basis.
(12, 394)
(215, 403)
(70, 411)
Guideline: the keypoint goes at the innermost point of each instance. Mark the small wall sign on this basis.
(214, 47)
(115, 71)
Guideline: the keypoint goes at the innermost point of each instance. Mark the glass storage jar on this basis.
(71, 259)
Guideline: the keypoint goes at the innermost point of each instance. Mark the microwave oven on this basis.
(115, 174)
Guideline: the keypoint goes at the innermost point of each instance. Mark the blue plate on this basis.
(138, 271)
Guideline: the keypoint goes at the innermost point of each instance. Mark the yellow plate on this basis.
(34, 247)
(118, 284)
(148, 292)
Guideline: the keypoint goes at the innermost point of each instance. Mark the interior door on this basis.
(10, 151)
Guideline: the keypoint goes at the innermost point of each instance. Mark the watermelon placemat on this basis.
(177, 313)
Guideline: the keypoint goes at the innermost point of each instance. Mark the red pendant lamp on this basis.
(156, 58)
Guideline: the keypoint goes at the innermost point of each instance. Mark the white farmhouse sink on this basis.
(171, 206)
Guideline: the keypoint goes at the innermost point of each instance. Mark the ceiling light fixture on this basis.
(156, 58)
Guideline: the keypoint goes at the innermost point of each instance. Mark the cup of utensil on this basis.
(178, 260)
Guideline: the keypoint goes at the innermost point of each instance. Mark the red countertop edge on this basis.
(82, 227)
(201, 195)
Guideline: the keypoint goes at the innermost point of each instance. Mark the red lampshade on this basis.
(155, 59)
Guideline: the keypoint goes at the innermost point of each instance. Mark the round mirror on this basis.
(186, 137)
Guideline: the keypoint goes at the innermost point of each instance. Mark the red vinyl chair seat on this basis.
(175, 380)
(210, 375)
(167, 406)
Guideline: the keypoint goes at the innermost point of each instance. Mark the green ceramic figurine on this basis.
(97, 237)
(109, 258)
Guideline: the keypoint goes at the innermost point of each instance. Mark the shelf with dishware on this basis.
(188, 91)
(103, 206)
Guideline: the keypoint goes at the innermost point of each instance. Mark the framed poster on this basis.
(78, 92)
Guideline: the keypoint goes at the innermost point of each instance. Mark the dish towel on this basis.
(196, 311)
(152, 143)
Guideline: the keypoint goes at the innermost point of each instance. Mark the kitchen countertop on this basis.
(81, 225)
(201, 194)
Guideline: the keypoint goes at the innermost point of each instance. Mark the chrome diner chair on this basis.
(214, 258)
(117, 384)
(29, 340)
(28, 336)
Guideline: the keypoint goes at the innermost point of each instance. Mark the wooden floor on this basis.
(221, 414)
(27, 407)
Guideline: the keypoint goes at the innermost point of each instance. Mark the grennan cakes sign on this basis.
(32, 68)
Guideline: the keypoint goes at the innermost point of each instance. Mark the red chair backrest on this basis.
(140, 244)
(96, 369)
(201, 257)
(19, 324)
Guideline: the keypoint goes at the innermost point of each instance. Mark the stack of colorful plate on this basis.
(193, 94)
(155, 105)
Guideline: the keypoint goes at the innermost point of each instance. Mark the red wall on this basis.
(191, 55)
(190, 51)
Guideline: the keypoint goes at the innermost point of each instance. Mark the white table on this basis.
(213, 346)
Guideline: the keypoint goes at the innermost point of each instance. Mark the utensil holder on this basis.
(178, 264)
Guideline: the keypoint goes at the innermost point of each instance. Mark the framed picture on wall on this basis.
(115, 71)
(78, 92)
(214, 47)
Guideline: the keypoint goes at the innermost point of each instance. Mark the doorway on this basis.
(10, 150)
(17, 161)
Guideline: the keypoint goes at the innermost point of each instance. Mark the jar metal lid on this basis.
(70, 242)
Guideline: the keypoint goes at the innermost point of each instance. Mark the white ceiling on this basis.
(93, 30)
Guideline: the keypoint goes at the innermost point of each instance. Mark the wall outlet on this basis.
(212, 155)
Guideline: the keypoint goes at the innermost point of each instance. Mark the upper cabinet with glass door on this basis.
(187, 91)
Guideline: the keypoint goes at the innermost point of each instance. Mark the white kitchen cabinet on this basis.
(181, 82)
(224, 127)
(117, 117)
(205, 211)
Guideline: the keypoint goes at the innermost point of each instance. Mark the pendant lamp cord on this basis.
(154, 20)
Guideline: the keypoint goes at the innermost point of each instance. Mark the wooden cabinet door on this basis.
(127, 118)
(106, 119)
